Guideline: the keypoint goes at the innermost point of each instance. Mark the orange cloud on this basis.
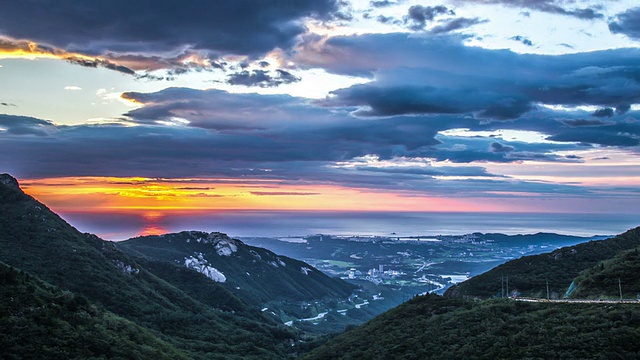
(122, 194)
(10, 48)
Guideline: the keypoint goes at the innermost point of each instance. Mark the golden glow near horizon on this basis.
(97, 194)
(22, 49)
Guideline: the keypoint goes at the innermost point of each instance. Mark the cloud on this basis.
(72, 88)
(500, 148)
(387, 20)
(176, 64)
(22, 125)
(242, 27)
(606, 112)
(330, 132)
(585, 122)
(623, 109)
(596, 136)
(272, 139)
(440, 75)
(262, 78)
(522, 40)
(627, 23)
(455, 24)
(283, 193)
(418, 16)
(8, 104)
(192, 153)
(31, 49)
(382, 3)
(548, 6)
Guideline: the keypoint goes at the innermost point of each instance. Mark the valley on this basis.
(413, 264)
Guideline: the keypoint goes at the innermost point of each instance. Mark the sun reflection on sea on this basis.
(152, 223)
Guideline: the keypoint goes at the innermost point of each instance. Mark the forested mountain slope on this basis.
(36, 240)
(529, 275)
(435, 327)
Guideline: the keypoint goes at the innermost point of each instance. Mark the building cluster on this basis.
(375, 275)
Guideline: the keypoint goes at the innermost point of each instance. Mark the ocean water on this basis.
(119, 226)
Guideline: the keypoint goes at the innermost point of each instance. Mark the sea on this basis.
(276, 224)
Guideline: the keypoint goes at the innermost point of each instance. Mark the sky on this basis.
(473, 106)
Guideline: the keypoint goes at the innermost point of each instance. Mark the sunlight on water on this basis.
(281, 224)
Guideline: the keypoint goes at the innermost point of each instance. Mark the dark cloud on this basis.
(532, 156)
(430, 171)
(455, 24)
(623, 109)
(22, 125)
(8, 104)
(522, 40)
(330, 134)
(606, 112)
(386, 19)
(627, 23)
(440, 75)
(500, 148)
(221, 111)
(596, 136)
(418, 16)
(243, 27)
(185, 61)
(548, 6)
(382, 3)
(585, 122)
(152, 77)
(401, 100)
(262, 78)
(94, 63)
(343, 15)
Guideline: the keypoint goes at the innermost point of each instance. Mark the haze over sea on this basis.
(120, 226)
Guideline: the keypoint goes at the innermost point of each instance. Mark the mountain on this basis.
(285, 288)
(461, 325)
(37, 241)
(609, 278)
(537, 238)
(37, 318)
(253, 273)
(529, 275)
(436, 327)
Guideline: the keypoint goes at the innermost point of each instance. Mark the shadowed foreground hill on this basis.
(434, 327)
(36, 318)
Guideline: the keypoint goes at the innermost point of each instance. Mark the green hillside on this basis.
(462, 326)
(610, 277)
(35, 240)
(529, 275)
(434, 327)
(255, 274)
(36, 318)
(285, 289)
